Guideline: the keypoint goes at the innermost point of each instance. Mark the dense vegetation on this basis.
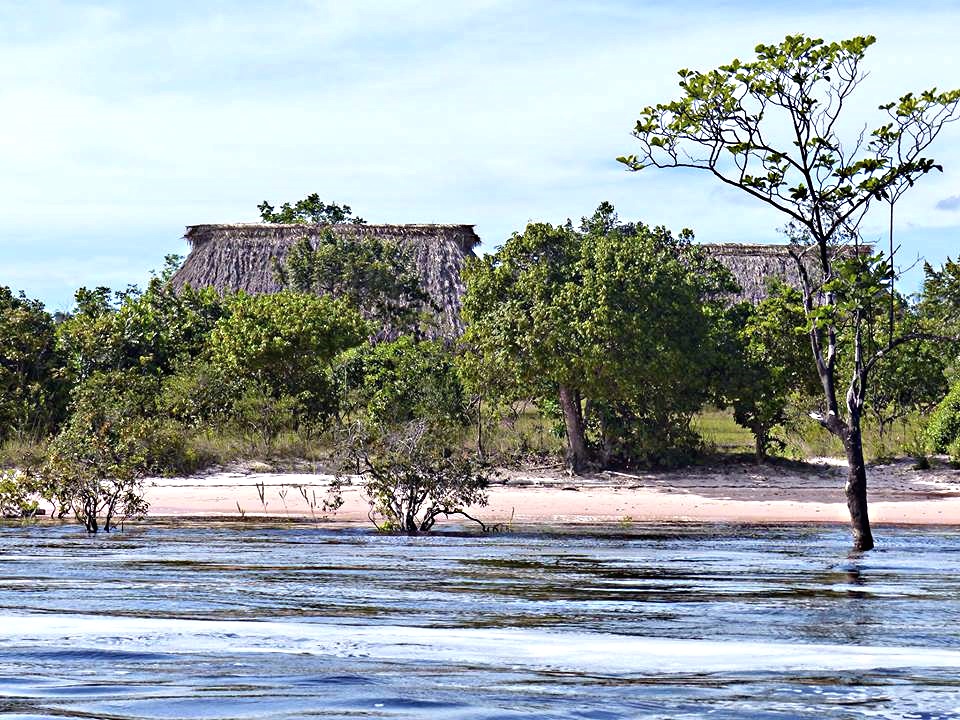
(603, 345)
(608, 344)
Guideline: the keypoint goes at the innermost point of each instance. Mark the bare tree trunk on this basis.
(856, 491)
(577, 454)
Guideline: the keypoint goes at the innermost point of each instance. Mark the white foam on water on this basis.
(508, 647)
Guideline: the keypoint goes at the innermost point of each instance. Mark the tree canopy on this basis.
(770, 128)
(310, 210)
(592, 314)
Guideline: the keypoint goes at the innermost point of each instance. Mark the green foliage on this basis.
(211, 400)
(373, 273)
(112, 440)
(943, 428)
(265, 415)
(200, 393)
(614, 312)
(767, 360)
(147, 330)
(286, 341)
(310, 210)
(906, 382)
(415, 474)
(939, 309)
(391, 383)
(17, 495)
(33, 390)
(725, 121)
(954, 452)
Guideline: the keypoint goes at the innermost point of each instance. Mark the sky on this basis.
(124, 122)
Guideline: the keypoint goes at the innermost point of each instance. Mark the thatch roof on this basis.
(241, 257)
(752, 265)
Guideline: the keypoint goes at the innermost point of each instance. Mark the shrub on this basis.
(953, 450)
(286, 342)
(17, 495)
(113, 438)
(401, 381)
(943, 428)
(414, 474)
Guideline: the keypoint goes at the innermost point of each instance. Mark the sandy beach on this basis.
(735, 493)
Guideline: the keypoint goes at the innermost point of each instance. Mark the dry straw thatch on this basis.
(753, 265)
(241, 257)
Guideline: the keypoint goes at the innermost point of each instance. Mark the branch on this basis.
(903, 340)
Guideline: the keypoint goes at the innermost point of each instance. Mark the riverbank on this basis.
(734, 492)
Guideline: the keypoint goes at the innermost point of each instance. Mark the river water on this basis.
(291, 621)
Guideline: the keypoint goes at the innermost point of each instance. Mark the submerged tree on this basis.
(96, 464)
(770, 128)
(414, 473)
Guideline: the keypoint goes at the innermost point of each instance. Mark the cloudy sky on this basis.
(123, 122)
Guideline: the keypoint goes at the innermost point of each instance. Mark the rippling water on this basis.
(166, 621)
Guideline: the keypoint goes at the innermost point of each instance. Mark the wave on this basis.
(537, 649)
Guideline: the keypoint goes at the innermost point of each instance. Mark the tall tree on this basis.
(770, 128)
(611, 314)
(33, 390)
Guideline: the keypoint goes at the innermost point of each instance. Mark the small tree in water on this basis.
(95, 466)
(770, 128)
(415, 474)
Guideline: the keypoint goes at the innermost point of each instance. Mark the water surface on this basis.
(239, 621)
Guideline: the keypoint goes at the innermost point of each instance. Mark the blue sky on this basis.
(124, 122)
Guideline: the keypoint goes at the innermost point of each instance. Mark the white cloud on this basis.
(127, 125)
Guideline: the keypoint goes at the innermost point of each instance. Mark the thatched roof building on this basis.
(241, 257)
(752, 265)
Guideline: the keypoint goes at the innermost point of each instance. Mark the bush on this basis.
(113, 438)
(400, 381)
(953, 450)
(643, 436)
(17, 495)
(287, 342)
(943, 428)
(413, 475)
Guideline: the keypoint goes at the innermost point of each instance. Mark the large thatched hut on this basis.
(241, 257)
(753, 265)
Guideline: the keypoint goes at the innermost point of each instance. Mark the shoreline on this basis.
(735, 493)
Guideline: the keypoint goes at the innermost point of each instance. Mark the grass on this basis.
(21, 453)
(804, 438)
(522, 436)
(719, 430)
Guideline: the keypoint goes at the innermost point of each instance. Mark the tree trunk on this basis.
(856, 491)
(480, 453)
(761, 446)
(577, 454)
